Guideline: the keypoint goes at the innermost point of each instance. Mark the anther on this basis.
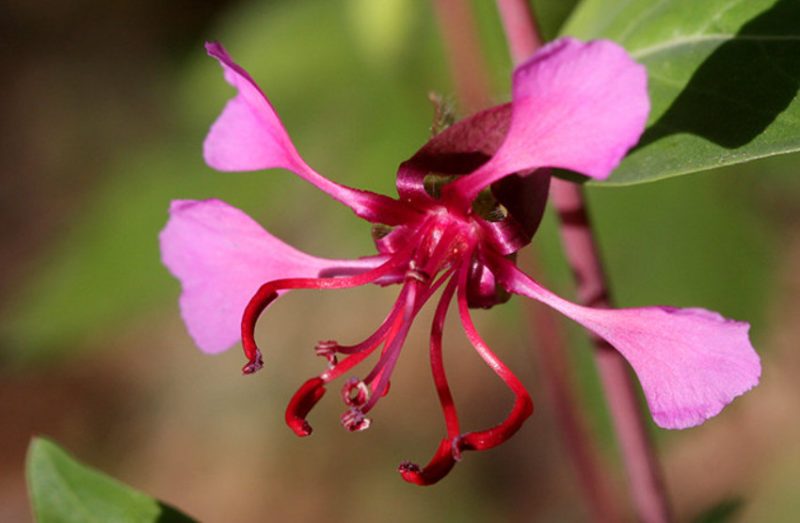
(408, 467)
(355, 421)
(417, 274)
(327, 349)
(438, 467)
(355, 393)
(255, 364)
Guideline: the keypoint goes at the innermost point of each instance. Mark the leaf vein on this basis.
(717, 17)
(709, 38)
(644, 15)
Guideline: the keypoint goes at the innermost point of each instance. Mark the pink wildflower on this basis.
(577, 106)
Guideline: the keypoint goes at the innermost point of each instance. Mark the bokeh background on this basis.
(103, 111)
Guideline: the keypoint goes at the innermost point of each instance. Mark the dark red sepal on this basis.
(301, 404)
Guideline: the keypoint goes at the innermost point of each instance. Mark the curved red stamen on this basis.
(437, 363)
(377, 337)
(486, 439)
(437, 468)
(382, 371)
(431, 257)
(523, 405)
(378, 378)
(268, 292)
(446, 454)
(265, 295)
(393, 334)
(301, 404)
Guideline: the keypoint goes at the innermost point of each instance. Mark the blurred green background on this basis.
(104, 111)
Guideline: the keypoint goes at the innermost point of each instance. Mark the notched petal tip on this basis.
(717, 364)
(200, 247)
(709, 382)
(690, 362)
(306, 397)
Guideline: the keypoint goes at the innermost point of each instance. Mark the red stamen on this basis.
(264, 296)
(523, 405)
(437, 363)
(377, 337)
(397, 336)
(391, 334)
(268, 292)
(438, 467)
(301, 404)
(344, 366)
(486, 439)
(447, 454)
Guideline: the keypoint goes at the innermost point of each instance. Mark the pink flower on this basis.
(468, 200)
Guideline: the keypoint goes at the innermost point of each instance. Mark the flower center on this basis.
(424, 255)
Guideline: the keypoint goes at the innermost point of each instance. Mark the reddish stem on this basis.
(467, 64)
(589, 466)
(642, 467)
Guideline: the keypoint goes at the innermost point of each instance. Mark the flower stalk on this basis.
(642, 467)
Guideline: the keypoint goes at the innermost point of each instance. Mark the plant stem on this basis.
(467, 63)
(638, 454)
(644, 474)
(469, 70)
(587, 463)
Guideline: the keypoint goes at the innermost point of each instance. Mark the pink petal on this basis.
(691, 362)
(577, 106)
(249, 136)
(221, 257)
(459, 149)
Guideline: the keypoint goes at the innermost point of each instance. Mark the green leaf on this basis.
(723, 78)
(65, 491)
